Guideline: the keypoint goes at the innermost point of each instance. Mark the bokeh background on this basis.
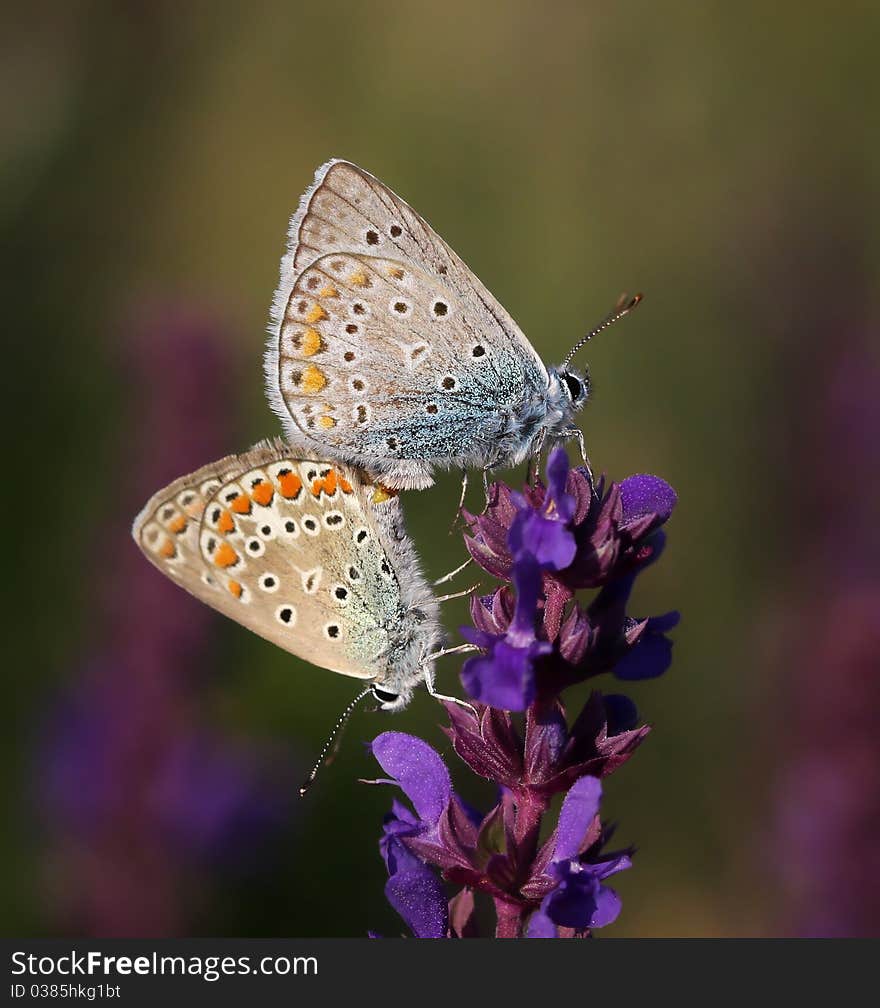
(723, 158)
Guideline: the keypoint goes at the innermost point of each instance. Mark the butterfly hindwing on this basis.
(295, 550)
(360, 366)
(167, 531)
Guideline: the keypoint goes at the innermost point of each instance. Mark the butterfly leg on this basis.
(535, 460)
(458, 649)
(486, 488)
(459, 594)
(460, 508)
(429, 684)
(452, 573)
(578, 434)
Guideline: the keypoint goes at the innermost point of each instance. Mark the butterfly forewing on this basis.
(384, 344)
(294, 550)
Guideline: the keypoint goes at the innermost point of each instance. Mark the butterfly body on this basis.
(387, 353)
(300, 552)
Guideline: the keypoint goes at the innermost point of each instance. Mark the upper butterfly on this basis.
(307, 555)
(387, 353)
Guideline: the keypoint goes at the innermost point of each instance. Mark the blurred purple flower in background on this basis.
(140, 796)
(825, 796)
(536, 640)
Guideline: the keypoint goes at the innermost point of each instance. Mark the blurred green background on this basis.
(723, 158)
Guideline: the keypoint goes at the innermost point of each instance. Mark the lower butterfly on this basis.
(307, 554)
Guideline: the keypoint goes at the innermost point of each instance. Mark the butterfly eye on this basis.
(383, 696)
(574, 385)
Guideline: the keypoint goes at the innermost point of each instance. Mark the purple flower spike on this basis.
(544, 532)
(417, 769)
(537, 638)
(505, 676)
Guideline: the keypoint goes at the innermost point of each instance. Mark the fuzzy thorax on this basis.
(539, 418)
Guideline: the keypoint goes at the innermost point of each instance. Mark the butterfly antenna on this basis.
(624, 306)
(333, 741)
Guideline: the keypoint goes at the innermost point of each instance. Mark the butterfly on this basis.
(308, 554)
(386, 352)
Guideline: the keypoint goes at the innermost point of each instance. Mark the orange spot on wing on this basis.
(225, 523)
(242, 504)
(225, 556)
(396, 272)
(358, 279)
(168, 549)
(326, 422)
(263, 493)
(327, 484)
(316, 313)
(328, 292)
(311, 342)
(235, 588)
(177, 525)
(290, 485)
(313, 379)
(344, 485)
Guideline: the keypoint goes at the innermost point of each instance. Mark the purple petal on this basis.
(646, 495)
(399, 822)
(618, 863)
(540, 926)
(396, 856)
(580, 808)
(607, 908)
(481, 638)
(505, 678)
(651, 655)
(548, 540)
(557, 477)
(662, 624)
(417, 769)
(527, 581)
(416, 893)
(573, 902)
(620, 712)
